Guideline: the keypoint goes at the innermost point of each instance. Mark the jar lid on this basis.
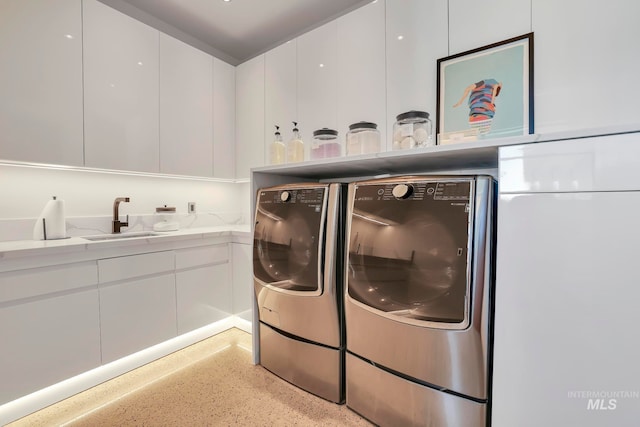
(363, 125)
(166, 209)
(325, 131)
(412, 115)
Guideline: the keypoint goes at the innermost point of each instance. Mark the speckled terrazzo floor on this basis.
(211, 383)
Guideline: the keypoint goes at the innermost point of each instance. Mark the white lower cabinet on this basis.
(138, 307)
(242, 280)
(49, 335)
(59, 321)
(203, 286)
(204, 296)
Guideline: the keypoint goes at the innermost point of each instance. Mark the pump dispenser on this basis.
(277, 149)
(295, 148)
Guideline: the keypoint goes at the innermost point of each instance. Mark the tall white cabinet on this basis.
(586, 64)
(186, 109)
(120, 90)
(224, 119)
(411, 55)
(567, 284)
(250, 139)
(41, 81)
(472, 25)
(361, 60)
(280, 93)
(317, 78)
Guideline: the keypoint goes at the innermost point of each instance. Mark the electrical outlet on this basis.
(191, 207)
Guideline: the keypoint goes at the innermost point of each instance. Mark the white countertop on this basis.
(236, 234)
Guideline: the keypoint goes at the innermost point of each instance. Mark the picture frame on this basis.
(486, 93)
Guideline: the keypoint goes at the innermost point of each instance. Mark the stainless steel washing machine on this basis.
(418, 290)
(297, 266)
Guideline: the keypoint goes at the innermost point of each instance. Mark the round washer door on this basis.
(287, 238)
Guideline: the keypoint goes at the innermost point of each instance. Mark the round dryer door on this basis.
(409, 248)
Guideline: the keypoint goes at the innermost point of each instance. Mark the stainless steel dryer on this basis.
(418, 279)
(297, 266)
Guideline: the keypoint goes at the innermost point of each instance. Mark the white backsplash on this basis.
(89, 200)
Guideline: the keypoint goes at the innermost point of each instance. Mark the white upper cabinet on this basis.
(318, 69)
(416, 39)
(224, 119)
(41, 81)
(586, 64)
(280, 93)
(361, 76)
(250, 141)
(121, 91)
(473, 25)
(186, 109)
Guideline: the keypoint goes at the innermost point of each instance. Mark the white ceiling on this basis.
(239, 29)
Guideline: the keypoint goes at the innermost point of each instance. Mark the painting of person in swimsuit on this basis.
(482, 107)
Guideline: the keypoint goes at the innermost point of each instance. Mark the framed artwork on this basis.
(486, 92)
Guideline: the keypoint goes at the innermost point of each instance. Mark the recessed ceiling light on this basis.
(321, 65)
(226, 1)
(400, 37)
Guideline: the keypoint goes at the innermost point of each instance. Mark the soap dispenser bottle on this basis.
(277, 149)
(295, 148)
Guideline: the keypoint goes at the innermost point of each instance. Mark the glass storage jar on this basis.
(166, 219)
(325, 144)
(412, 129)
(363, 138)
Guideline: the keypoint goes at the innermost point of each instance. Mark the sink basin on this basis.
(120, 236)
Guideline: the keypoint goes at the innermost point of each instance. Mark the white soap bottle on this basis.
(277, 149)
(295, 148)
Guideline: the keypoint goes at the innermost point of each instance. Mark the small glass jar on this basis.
(325, 144)
(363, 138)
(166, 219)
(412, 129)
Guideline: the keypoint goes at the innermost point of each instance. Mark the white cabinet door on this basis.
(203, 296)
(566, 310)
(203, 286)
(417, 35)
(587, 64)
(47, 341)
(473, 25)
(249, 116)
(224, 119)
(242, 256)
(317, 71)
(361, 76)
(137, 314)
(41, 81)
(280, 92)
(137, 302)
(120, 90)
(186, 109)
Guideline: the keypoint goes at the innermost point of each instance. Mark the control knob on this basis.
(402, 191)
(285, 196)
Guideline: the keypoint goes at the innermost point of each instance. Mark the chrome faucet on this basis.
(116, 223)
